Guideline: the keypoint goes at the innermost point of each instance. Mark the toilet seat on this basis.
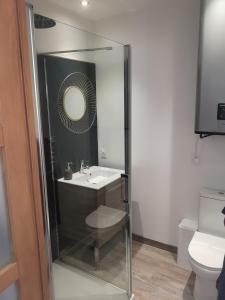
(104, 217)
(207, 251)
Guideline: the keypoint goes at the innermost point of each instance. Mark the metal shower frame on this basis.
(40, 145)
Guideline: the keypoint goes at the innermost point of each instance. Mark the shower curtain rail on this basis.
(78, 50)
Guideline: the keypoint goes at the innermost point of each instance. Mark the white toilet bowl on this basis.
(206, 255)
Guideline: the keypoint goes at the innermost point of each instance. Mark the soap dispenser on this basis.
(68, 171)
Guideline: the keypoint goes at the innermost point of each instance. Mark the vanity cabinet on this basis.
(77, 202)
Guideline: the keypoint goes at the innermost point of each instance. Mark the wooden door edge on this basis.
(30, 120)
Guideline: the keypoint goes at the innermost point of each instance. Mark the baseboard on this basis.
(155, 244)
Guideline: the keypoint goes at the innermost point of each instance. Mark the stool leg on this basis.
(97, 255)
(124, 232)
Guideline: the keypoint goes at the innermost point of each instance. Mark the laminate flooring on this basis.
(156, 275)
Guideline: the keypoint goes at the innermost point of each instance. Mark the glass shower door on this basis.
(83, 103)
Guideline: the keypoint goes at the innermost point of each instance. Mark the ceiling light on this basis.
(84, 3)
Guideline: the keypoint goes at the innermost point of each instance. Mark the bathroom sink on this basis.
(95, 178)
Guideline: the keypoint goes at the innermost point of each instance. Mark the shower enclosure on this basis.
(81, 98)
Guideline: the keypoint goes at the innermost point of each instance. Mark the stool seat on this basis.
(104, 217)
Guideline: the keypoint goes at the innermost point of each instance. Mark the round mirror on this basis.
(77, 103)
(74, 103)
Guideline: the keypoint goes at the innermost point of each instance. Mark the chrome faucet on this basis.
(84, 167)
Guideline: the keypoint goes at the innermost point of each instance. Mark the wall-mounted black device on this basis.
(210, 109)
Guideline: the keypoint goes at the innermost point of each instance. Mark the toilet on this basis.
(207, 248)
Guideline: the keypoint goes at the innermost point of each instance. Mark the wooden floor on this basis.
(156, 276)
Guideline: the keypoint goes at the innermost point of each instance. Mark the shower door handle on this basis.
(125, 178)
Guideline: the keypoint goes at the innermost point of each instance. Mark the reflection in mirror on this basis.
(74, 103)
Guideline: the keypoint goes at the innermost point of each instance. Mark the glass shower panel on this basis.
(10, 293)
(82, 102)
(6, 254)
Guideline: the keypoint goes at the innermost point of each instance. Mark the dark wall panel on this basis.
(62, 145)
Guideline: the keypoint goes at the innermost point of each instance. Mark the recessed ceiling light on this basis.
(84, 3)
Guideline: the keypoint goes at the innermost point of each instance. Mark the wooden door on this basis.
(22, 274)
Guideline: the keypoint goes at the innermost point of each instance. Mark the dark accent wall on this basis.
(62, 145)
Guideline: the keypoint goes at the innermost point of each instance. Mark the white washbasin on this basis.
(96, 178)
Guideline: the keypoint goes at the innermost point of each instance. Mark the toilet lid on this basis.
(207, 250)
(104, 217)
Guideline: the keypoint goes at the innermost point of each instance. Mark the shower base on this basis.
(73, 284)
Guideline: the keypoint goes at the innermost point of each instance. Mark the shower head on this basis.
(42, 22)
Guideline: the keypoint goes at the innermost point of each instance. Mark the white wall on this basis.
(165, 179)
(110, 107)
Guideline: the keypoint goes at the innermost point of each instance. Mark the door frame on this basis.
(36, 175)
(19, 151)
